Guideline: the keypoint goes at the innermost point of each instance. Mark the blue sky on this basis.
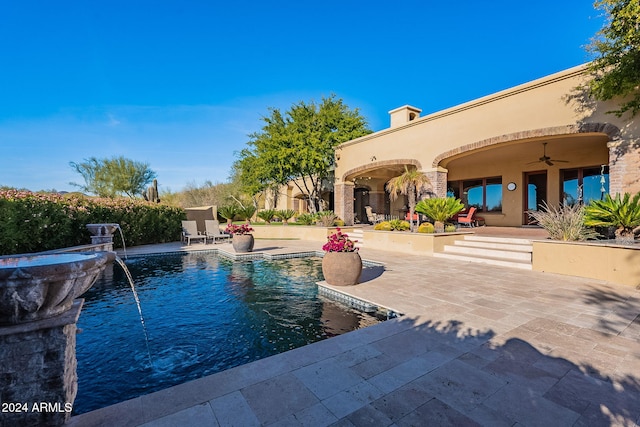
(180, 84)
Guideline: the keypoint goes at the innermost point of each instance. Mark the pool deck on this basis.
(477, 345)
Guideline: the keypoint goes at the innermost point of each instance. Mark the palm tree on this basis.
(410, 182)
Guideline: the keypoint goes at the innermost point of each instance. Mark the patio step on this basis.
(358, 236)
(506, 252)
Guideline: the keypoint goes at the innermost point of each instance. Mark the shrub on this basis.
(399, 225)
(449, 228)
(246, 212)
(439, 209)
(564, 223)
(622, 213)
(285, 215)
(382, 226)
(306, 219)
(267, 215)
(426, 227)
(325, 218)
(338, 223)
(228, 212)
(33, 222)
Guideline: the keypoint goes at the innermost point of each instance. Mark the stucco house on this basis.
(505, 153)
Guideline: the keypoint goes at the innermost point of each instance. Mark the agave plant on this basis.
(285, 215)
(228, 212)
(565, 223)
(267, 215)
(439, 210)
(620, 212)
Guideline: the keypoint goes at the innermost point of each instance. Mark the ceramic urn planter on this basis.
(342, 268)
(242, 242)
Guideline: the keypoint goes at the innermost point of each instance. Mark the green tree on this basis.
(616, 48)
(297, 147)
(409, 184)
(113, 177)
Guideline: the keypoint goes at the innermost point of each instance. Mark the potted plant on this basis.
(341, 264)
(242, 239)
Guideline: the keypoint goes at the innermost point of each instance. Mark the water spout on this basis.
(124, 247)
(135, 296)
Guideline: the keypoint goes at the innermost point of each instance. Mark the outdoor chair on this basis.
(468, 219)
(372, 217)
(213, 232)
(190, 232)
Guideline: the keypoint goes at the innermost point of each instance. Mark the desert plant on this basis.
(306, 219)
(399, 225)
(325, 218)
(285, 215)
(426, 227)
(564, 223)
(620, 212)
(228, 212)
(449, 228)
(409, 183)
(267, 215)
(338, 222)
(439, 209)
(382, 226)
(246, 212)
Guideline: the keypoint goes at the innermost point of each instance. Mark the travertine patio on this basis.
(477, 345)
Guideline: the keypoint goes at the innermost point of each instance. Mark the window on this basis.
(483, 193)
(584, 184)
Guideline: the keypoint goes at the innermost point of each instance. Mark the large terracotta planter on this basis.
(342, 268)
(242, 242)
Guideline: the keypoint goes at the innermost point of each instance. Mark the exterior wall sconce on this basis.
(373, 158)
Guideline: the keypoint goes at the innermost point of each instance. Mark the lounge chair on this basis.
(190, 232)
(372, 217)
(213, 232)
(468, 219)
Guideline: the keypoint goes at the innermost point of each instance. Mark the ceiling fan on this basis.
(546, 159)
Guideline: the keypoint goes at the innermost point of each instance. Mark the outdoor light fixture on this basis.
(373, 158)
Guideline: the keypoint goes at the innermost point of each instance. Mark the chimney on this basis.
(404, 115)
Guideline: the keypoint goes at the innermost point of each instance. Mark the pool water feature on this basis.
(203, 314)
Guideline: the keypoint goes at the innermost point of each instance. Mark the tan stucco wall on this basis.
(597, 261)
(409, 243)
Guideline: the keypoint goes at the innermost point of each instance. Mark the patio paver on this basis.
(477, 345)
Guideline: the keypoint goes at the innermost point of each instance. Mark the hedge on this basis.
(34, 222)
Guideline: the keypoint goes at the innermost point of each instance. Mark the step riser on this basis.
(500, 263)
(503, 246)
(498, 240)
(479, 252)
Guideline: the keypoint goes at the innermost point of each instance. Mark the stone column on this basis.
(438, 178)
(624, 166)
(343, 201)
(38, 370)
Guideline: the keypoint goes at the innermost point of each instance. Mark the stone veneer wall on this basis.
(624, 166)
(38, 370)
(343, 199)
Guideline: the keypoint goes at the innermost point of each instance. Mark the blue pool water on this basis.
(203, 314)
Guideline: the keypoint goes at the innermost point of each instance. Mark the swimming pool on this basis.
(203, 314)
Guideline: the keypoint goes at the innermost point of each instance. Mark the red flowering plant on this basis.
(339, 242)
(238, 229)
